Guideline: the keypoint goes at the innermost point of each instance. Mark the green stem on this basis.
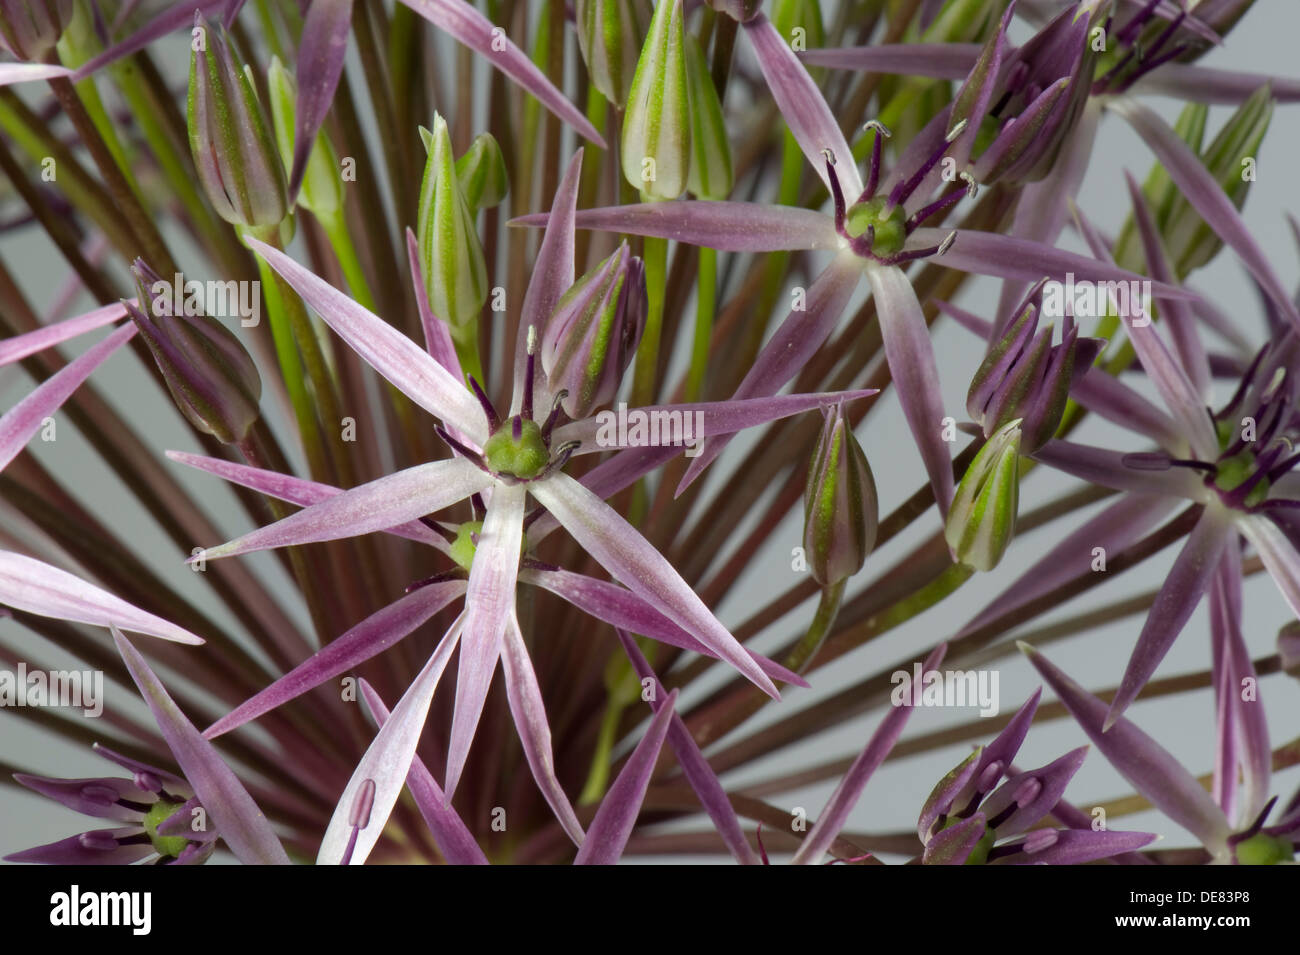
(647, 355)
(705, 306)
(828, 609)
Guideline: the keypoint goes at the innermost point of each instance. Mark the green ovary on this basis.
(159, 813)
(462, 548)
(1263, 849)
(524, 457)
(1234, 471)
(890, 226)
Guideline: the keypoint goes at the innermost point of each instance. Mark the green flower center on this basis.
(463, 547)
(890, 226)
(159, 813)
(1263, 849)
(1235, 471)
(523, 457)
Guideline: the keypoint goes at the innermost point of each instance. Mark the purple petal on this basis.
(286, 487)
(1009, 257)
(1146, 764)
(1277, 553)
(381, 630)
(489, 607)
(20, 346)
(241, 824)
(845, 797)
(1105, 395)
(552, 275)
(452, 836)
(715, 418)
(437, 333)
(1075, 847)
(180, 15)
(36, 587)
(11, 73)
(24, 419)
(802, 105)
(624, 610)
(173, 784)
(1105, 467)
(942, 61)
(1177, 315)
(91, 797)
(321, 52)
(725, 226)
(1207, 197)
(609, 831)
(88, 848)
(1173, 606)
(791, 347)
(181, 823)
(1034, 794)
(375, 506)
(385, 765)
(529, 712)
(953, 846)
(620, 549)
(916, 376)
(478, 33)
(1204, 84)
(696, 769)
(995, 759)
(410, 369)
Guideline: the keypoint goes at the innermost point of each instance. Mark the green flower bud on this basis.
(593, 333)
(517, 449)
(657, 125)
(482, 173)
(610, 33)
(840, 505)
(450, 250)
(982, 520)
(322, 185)
(234, 152)
(29, 29)
(710, 174)
(212, 378)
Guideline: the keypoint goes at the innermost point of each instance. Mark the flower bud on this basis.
(322, 185)
(840, 504)
(982, 520)
(450, 250)
(482, 173)
(234, 151)
(593, 333)
(1025, 377)
(29, 29)
(211, 377)
(710, 174)
(610, 33)
(657, 125)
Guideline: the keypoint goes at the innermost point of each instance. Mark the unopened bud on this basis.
(211, 377)
(610, 34)
(482, 173)
(450, 251)
(322, 186)
(594, 331)
(710, 174)
(230, 138)
(841, 512)
(657, 126)
(982, 519)
(29, 29)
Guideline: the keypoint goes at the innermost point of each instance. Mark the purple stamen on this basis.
(904, 189)
(441, 578)
(517, 422)
(480, 509)
(873, 174)
(939, 249)
(939, 205)
(493, 419)
(1128, 33)
(526, 408)
(360, 818)
(460, 449)
(837, 194)
(554, 415)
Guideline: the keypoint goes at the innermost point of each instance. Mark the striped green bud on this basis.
(231, 141)
(482, 173)
(592, 335)
(710, 174)
(322, 185)
(29, 29)
(982, 520)
(610, 33)
(450, 251)
(841, 510)
(657, 125)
